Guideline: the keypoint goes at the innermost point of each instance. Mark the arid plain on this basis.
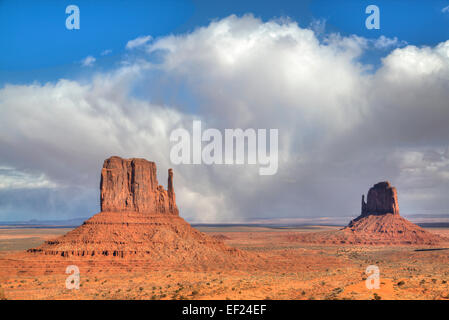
(286, 269)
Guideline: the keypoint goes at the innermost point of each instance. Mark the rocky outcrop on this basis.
(382, 199)
(131, 185)
(139, 220)
(378, 224)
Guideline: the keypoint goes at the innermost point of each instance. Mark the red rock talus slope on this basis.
(139, 220)
(378, 224)
(158, 238)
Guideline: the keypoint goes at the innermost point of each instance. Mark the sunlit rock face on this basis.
(131, 185)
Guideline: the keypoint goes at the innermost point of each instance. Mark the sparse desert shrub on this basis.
(401, 283)
(377, 297)
(337, 290)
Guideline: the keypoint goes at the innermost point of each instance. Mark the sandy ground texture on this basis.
(279, 267)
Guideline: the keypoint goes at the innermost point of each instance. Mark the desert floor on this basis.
(292, 271)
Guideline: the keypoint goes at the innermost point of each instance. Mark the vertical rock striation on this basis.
(131, 185)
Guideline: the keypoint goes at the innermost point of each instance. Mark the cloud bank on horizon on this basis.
(343, 126)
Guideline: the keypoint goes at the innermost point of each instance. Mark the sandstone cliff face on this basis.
(131, 185)
(382, 199)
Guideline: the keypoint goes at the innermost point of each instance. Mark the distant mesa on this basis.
(378, 224)
(139, 219)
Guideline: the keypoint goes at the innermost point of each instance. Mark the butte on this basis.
(378, 224)
(139, 226)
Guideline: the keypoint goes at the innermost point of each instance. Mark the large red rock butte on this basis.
(139, 219)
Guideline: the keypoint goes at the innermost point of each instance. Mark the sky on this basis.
(353, 106)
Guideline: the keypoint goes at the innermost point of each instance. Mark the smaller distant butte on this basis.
(378, 224)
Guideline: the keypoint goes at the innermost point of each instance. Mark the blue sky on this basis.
(36, 46)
